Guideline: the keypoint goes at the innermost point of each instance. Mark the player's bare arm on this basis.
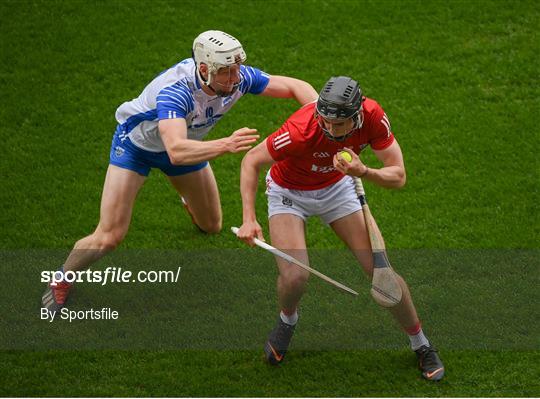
(249, 178)
(285, 87)
(183, 151)
(391, 175)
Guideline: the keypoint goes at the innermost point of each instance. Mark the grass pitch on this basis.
(458, 80)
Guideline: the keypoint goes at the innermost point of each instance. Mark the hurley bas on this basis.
(71, 315)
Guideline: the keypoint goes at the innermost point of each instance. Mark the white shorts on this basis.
(330, 203)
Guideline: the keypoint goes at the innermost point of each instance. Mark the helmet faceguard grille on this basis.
(341, 98)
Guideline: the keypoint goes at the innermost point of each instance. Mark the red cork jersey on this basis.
(303, 154)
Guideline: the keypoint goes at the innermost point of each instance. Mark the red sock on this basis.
(414, 329)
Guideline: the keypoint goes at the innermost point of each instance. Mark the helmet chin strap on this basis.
(208, 82)
(336, 138)
(204, 81)
(359, 121)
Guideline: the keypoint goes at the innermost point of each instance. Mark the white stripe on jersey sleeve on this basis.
(281, 140)
(386, 123)
(283, 144)
(281, 135)
(277, 142)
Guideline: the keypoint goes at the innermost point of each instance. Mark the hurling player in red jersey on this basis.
(309, 178)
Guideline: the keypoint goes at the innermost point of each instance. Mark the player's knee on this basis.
(108, 241)
(212, 226)
(296, 280)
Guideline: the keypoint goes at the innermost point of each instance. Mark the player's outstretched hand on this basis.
(353, 168)
(250, 230)
(241, 140)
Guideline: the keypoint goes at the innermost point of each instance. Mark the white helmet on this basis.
(217, 50)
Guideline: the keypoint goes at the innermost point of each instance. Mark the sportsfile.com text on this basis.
(110, 275)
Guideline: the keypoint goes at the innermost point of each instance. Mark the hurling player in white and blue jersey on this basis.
(164, 128)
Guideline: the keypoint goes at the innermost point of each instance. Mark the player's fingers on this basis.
(341, 162)
(245, 131)
(339, 159)
(245, 237)
(250, 238)
(243, 148)
(340, 168)
(247, 139)
(350, 151)
(249, 241)
(243, 142)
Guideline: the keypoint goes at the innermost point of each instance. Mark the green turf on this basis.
(241, 373)
(458, 80)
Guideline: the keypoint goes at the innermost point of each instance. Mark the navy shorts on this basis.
(127, 155)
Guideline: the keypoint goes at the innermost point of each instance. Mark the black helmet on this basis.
(340, 98)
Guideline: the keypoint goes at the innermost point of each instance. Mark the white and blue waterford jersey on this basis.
(176, 93)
